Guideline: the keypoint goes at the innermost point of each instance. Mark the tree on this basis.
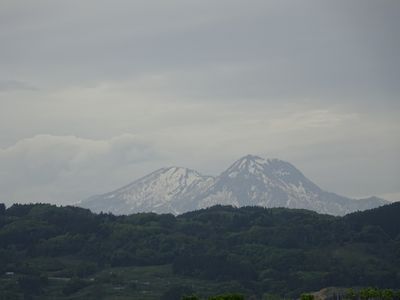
(227, 297)
(387, 294)
(350, 294)
(74, 285)
(306, 297)
(177, 293)
(31, 284)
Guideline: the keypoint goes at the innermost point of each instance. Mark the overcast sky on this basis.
(95, 94)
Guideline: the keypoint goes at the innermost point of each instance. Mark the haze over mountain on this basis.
(250, 181)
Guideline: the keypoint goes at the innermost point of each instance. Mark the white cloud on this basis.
(331, 145)
(58, 168)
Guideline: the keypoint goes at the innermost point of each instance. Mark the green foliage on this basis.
(350, 294)
(268, 296)
(31, 284)
(177, 293)
(306, 297)
(214, 267)
(387, 294)
(190, 298)
(10, 295)
(227, 297)
(74, 285)
(250, 250)
(372, 293)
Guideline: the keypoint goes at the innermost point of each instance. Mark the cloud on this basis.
(198, 84)
(332, 146)
(64, 167)
(15, 85)
(267, 50)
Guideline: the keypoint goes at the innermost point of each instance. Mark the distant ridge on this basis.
(250, 181)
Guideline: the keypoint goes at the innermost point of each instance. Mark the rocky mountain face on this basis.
(250, 181)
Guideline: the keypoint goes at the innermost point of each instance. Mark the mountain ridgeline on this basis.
(49, 252)
(250, 181)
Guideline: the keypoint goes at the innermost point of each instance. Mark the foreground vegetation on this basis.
(49, 252)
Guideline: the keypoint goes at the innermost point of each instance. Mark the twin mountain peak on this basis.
(250, 181)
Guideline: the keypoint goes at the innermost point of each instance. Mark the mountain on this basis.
(250, 181)
(163, 191)
(255, 181)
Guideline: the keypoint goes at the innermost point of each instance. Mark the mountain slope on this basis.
(163, 191)
(253, 180)
(250, 181)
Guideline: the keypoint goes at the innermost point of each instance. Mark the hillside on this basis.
(250, 250)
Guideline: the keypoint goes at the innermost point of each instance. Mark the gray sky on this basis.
(94, 94)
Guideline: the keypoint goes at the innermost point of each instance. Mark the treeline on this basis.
(372, 293)
(362, 294)
(277, 251)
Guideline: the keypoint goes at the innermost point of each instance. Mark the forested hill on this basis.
(249, 250)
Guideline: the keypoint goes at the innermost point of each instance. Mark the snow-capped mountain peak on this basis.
(249, 164)
(178, 176)
(267, 171)
(251, 180)
(161, 191)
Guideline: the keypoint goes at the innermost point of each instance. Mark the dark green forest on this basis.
(50, 252)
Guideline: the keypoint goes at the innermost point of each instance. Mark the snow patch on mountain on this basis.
(250, 181)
